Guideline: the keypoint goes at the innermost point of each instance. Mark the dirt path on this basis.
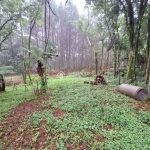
(15, 133)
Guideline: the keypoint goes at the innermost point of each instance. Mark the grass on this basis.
(13, 77)
(95, 117)
(93, 112)
(12, 98)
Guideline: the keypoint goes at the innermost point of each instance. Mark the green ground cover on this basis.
(13, 97)
(95, 118)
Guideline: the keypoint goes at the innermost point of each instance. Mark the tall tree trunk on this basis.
(148, 40)
(147, 71)
(130, 67)
(148, 49)
(133, 29)
(24, 75)
(37, 40)
(32, 23)
(82, 54)
(12, 53)
(143, 6)
(96, 63)
(131, 40)
(115, 62)
(102, 57)
(45, 29)
(69, 50)
(76, 47)
(107, 61)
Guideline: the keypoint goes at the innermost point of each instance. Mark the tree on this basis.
(148, 49)
(133, 25)
(11, 12)
(36, 27)
(106, 21)
(133, 13)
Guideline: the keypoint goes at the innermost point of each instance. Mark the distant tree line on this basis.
(114, 35)
(27, 28)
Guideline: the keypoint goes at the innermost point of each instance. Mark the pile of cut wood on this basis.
(98, 79)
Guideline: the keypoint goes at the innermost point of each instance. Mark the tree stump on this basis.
(2, 83)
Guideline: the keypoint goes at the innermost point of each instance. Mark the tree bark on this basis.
(148, 46)
(130, 67)
(96, 63)
(32, 23)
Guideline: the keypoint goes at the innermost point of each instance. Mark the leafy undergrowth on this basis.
(12, 97)
(79, 116)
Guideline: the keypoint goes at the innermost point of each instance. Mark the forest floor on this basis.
(74, 116)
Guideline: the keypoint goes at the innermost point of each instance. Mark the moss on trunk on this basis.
(130, 67)
(147, 71)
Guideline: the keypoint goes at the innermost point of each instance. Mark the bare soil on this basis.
(16, 133)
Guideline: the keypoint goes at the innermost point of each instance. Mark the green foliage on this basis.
(51, 48)
(34, 80)
(34, 139)
(43, 84)
(140, 73)
(10, 13)
(92, 112)
(15, 13)
(93, 115)
(145, 117)
(39, 22)
(6, 70)
(36, 53)
(140, 83)
(20, 68)
(82, 23)
(12, 98)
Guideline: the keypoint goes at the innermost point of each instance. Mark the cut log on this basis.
(98, 79)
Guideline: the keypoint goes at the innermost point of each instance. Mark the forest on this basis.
(74, 81)
(112, 36)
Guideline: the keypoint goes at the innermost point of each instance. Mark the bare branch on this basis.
(6, 37)
(66, 2)
(46, 53)
(88, 20)
(10, 19)
(50, 7)
(13, 17)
